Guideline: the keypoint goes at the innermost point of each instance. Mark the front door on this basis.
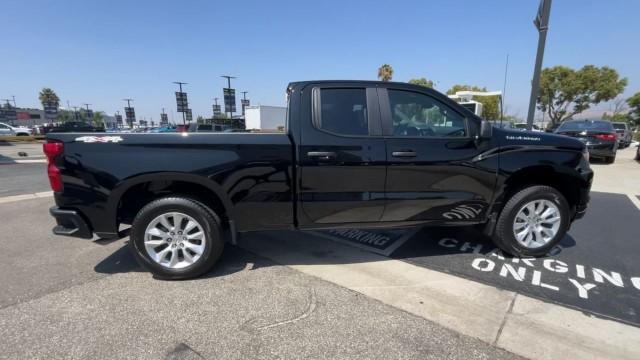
(431, 173)
(342, 157)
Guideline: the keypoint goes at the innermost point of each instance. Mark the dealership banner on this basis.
(229, 100)
(130, 114)
(217, 110)
(181, 101)
(50, 112)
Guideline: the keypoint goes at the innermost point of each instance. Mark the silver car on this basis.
(624, 133)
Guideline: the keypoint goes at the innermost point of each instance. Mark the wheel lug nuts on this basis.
(168, 239)
(172, 233)
(179, 232)
(181, 245)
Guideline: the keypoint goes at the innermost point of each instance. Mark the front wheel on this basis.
(176, 238)
(532, 222)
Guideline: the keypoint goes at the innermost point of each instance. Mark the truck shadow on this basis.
(233, 260)
(417, 247)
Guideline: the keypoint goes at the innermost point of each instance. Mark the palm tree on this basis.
(385, 72)
(98, 119)
(48, 97)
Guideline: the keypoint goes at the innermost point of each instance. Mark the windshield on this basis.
(586, 125)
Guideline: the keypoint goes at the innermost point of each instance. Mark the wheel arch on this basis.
(133, 193)
(549, 175)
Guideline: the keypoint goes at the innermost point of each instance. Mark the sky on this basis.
(100, 52)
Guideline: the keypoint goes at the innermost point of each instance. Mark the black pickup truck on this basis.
(354, 154)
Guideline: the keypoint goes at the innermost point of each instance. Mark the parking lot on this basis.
(437, 293)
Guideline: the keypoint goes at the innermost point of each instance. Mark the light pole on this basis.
(234, 98)
(128, 110)
(542, 24)
(184, 118)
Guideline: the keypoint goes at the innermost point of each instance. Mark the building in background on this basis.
(265, 117)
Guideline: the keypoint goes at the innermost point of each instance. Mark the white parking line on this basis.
(634, 200)
(24, 161)
(14, 198)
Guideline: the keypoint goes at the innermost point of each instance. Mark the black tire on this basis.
(610, 159)
(638, 153)
(503, 236)
(214, 242)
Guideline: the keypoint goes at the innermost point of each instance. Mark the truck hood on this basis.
(536, 138)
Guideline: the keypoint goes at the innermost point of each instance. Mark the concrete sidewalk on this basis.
(520, 324)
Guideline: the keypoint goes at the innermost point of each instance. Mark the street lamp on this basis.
(542, 24)
(186, 106)
(230, 97)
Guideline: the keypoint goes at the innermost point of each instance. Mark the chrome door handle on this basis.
(322, 155)
(407, 153)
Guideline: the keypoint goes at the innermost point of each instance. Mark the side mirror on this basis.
(486, 130)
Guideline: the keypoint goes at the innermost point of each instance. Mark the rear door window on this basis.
(343, 111)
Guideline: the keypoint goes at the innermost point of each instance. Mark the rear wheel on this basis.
(532, 222)
(176, 238)
(610, 159)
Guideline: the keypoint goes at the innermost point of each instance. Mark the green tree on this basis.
(422, 82)
(98, 119)
(634, 108)
(490, 104)
(565, 92)
(48, 97)
(385, 72)
(65, 115)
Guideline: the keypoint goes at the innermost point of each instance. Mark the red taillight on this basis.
(51, 150)
(607, 137)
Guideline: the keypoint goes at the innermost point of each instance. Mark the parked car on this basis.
(355, 154)
(523, 127)
(625, 137)
(75, 126)
(6, 129)
(598, 135)
(503, 124)
(164, 129)
(182, 128)
(193, 127)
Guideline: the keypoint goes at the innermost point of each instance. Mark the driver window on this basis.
(416, 114)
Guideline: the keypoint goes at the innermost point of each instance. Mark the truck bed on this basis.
(106, 172)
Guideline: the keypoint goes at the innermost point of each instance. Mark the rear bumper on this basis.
(70, 223)
(602, 149)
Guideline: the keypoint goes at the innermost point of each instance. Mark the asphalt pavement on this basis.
(72, 298)
(18, 179)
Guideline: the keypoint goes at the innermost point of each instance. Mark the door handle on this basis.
(322, 155)
(405, 153)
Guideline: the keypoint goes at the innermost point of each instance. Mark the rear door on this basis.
(432, 171)
(341, 156)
